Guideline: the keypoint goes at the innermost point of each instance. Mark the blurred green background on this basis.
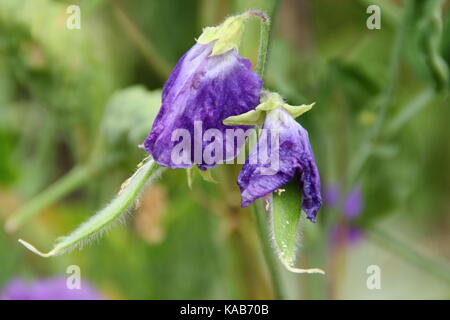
(74, 105)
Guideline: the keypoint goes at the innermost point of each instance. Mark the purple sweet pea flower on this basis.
(296, 161)
(47, 289)
(202, 88)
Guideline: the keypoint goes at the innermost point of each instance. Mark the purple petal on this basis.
(354, 234)
(332, 195)
(341, 234)
(206, 89)
(353, 204)
(296, 159)
(47, 289)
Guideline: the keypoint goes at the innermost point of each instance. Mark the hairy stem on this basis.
(268, 252)
(263, 42)
(258, 210)
(129, 192)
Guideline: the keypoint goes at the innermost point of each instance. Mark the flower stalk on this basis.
(259, 214)
(268, 253)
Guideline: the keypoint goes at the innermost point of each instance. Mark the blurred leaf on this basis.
(129, 115)
(425, 42)
(69, 72)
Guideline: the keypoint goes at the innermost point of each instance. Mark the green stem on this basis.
(258, 211)
(71, 181)
(408, 254)
(366, 147)
(263, 47)
(409, 111)
(263, 40)
(150, 53)
(269, 256)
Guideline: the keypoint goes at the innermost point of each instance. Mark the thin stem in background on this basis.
(404, 251)
(151, 55)
(75, 178)
(71, 181)
(365, 151)
(411, 109)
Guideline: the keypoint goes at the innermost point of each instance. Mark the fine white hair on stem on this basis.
(112, 214)
(287, 263)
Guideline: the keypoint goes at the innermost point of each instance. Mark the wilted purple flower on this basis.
(47, 289)
(204, 87)
(296, 161)
(353, 203)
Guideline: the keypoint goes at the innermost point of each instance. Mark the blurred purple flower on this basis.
(296, 161)
(47, 289)
(353, 204)
(354, 234)
(205, 89)
(345, 231)
(332, 195)
(342, 233)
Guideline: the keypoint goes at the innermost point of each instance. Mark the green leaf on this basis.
(286, 221)
(113, 212)
(129, 114)
(286, 209)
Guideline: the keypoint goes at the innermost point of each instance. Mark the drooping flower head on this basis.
(209, 83)
(47, 289)
(295, 159)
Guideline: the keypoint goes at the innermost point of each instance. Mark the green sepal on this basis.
(269, 101)
(205, 174)
(251, 117)
(227, 35)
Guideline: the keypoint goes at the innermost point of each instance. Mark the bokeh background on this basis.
(74, 105)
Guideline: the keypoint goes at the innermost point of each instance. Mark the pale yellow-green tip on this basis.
(227, 35)
(298, 270)
(36, 251)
